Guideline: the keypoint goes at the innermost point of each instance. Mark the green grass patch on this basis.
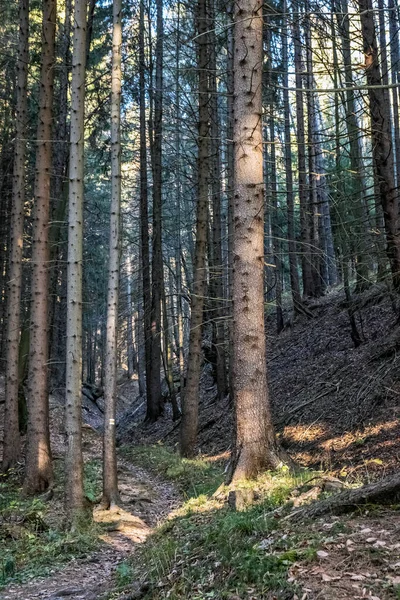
(33, 537)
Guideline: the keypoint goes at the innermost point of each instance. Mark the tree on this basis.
(74, 498)
(110, 478)
(190, 396)
(381, 139)
(256, 447)
(11, 448)
(157, 279)
(38, 468)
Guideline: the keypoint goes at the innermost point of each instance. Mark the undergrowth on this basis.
(34, 537)
(207, 550)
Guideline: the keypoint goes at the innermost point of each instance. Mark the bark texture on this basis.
(381, 140)
(38, 468)
(256, 447)
(74, 496)
(190, 404)
(110, 479)
(11, 446)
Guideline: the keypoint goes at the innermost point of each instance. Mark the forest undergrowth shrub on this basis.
(34, 537)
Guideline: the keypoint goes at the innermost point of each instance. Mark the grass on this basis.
(206, 546)
(33, 536)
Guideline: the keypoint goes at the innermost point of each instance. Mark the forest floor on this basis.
(78, 567)
(336, 410)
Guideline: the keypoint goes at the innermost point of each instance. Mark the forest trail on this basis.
(145, 502)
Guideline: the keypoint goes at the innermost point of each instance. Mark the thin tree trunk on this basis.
(129, 321)
(305, 247)
(74, 497)
(294, 275)
(39, 468)
(144, 215)
(216, 276)
(394, 79)
(11, 447)
(191, 393)
(157, 260)
(110, 478)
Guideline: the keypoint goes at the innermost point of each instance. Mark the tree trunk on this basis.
(256, 447)
(157, 260)
(110, 478)
(308, 287)
(144, 214)
(217, 294)
(39, 469)
(381, 140)
(191, 393)
(294, 275)
(11, 448)
(74, 496)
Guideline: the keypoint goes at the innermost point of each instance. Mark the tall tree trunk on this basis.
(11, 446)
(381, 140)
(39, 468)
(229, 182)
(305, 247)
(157, 275)
(256, 447)
(358, 195)
(178, 262)
(216, 276)
(110, 478)
(294, 275)
(74, 497)
(394, 79)
(144, 214)
(191, 393)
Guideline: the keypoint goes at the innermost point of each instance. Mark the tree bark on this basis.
(216, 276)
(294, 275)
(191, 393)
(157, 275)
(381, 140)
(110, 478)
(38, 468)
(256, 447)
(11, 447)
(144, 214)
(74, 495)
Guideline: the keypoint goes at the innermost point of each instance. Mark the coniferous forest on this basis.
(199, 299)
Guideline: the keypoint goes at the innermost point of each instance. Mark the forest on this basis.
(199, 299)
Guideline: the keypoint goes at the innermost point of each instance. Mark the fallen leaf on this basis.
(322, 554)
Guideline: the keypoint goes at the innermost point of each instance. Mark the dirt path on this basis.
(146, 501)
